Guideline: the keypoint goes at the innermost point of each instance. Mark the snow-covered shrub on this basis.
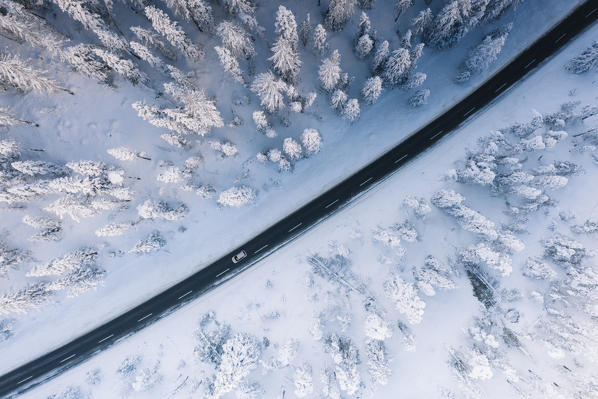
(351, 110)
(11, 258)
(225, 148)
(584, 61)
(292, 149)
(419, 98)
(329, 72)
(71, 261)
(371, 89)
(153, 242)
(405, 298)
(240, 355)
(152, 209)
(378, 362)
(485, 53)
(302, 379)
(311, 140)
(236, 196)
(113, 229)
(269, 90)
(376, 327)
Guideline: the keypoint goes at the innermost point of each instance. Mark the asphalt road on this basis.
(77, 351)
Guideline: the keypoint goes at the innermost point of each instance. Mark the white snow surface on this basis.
(98, 118)
(279, 297)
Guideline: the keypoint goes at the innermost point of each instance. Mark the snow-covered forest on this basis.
(136, 134)
(471, 273)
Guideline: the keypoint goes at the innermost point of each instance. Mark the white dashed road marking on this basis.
(529, 63)
(145, 317)
(222, 272)
(105, 338)
(184, 295)
(332, 203)
(300, 223)
(400, 159)
(365, 181)
(260, 249)
(26, 379)
(67, 358)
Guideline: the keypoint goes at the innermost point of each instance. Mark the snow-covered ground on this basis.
(327, 303)
(98, 118)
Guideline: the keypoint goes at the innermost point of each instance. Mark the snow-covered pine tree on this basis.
(80, 280)
(320, 42)
(152, 243)
(400, 7)
(329, 72)
(397, 66)
(152, 209)
(302, 379)
(11, 258)
(7, 119)
(365, 26)
(380, 57)
(406, 299)
(351, 110)
(311, 140)
(285, 60)
(482, 55)
(261, 121)
(415, 54)
(151, 38)
(83, 59)
(371, 89)
(141, 51)
(69, 262)
(422, 22)
(364, 46)
(286, 27)
(240, 355)
(269, 90)
(197, 11)
(79, 12)
(230, 63)
(415, 80)
(50, 229)
(305, 30)
(19, 23)
(122, 66)
(30, 297)
(235, 7)
(292, 149)
(585, 61)
(406, 39)
(236, 196)
(338, 100)
(235, 39)
(39, 168)
(345, 355)
(339, 13)
(173, 33)
(15, 73)
(495, 8)
(113, 229)
(450, 24)
(197, 104)
(378, 362)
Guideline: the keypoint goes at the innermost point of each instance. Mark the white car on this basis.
(240, 256)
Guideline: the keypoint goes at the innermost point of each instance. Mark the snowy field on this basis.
(378, 299)
(130, 245)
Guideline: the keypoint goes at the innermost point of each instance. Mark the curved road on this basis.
(75, 352)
